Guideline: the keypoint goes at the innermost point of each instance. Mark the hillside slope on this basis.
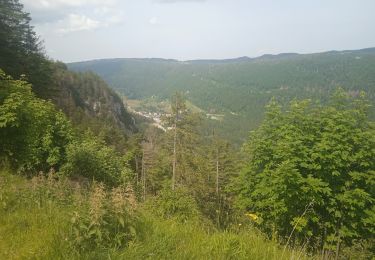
(86, 95)
(241, 87)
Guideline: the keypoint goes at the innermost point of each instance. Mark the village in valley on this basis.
(157, 111)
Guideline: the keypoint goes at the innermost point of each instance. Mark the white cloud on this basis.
(102, 10)
(56, 4)
(153, 21)
(114, 19)
(76, 22)
(177, 1)
(66, 16)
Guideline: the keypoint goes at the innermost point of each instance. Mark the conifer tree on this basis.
(21, 51)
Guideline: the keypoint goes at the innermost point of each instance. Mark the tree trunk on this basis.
(338, 247)
(217, 172)
(174, 147)
(137, 169)
(143, 175)
(174, 158)
(323, 239)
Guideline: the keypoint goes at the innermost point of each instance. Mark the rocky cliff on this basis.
(87, 95)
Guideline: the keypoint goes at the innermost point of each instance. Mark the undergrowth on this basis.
(50, 218)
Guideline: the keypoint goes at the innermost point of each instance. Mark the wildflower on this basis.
(252, 216)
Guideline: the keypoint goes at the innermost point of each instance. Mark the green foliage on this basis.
(309, 178)
(178, 204)
(310, 172)
(89, 102)
(203, 166)
(240, 89)
(170, 239)
(156, 160)
(106, 222)
(34, 216)
(90, 157)
(21, 51)
(33, 134)
(49, 218)
(360, 249)
(222, 165)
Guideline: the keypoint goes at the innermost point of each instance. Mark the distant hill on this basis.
(239, 88)
(239, 59)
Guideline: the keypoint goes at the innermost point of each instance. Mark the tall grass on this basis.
(30, 223)
(36, 223)
(170, 239)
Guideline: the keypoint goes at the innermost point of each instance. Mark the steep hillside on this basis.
(82, 96)
(87, 95)
(241, 87)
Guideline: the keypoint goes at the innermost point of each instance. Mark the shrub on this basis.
(91, 158)
(33, 134)
(176, 204)
(311, 172)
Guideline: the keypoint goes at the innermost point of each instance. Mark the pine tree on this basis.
(21, 51)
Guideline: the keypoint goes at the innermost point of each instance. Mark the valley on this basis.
(156, 111)
(263, 157)
(235, 91)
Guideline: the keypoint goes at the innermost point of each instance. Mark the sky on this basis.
(77, 30)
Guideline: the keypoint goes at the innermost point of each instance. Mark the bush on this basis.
(176, 204)
(311, 172)
(33, 134)
(92, 159)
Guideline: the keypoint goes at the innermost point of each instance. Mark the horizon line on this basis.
(215, 59)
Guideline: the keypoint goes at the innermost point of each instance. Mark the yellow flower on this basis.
(252, 216)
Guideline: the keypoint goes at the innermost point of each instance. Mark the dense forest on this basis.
(81, 177)
(240, 88)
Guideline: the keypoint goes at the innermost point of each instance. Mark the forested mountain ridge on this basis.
(303, 71)
(240, 88)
